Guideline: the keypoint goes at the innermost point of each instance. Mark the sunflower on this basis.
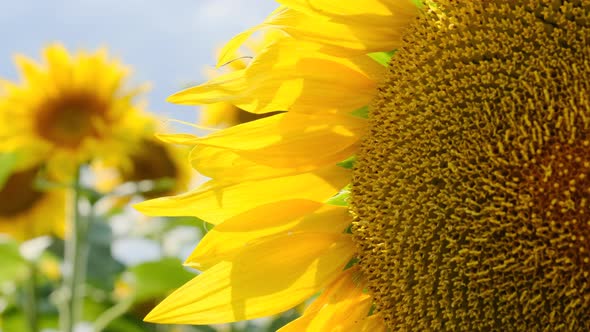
(468, 186)
(152, 160)
(26, 212)
(69, 110)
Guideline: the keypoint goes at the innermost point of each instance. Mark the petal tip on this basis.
(172, 98)
(148, 207)
(154, 316)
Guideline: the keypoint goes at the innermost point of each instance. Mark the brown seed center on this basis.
(68, 120)
(151, 162)
(470, 193)
(18, 194)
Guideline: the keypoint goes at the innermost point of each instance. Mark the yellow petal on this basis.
(215, 90)
(230, 50)
(235, 61)
(220, 114)
(30, 71)
(342, 307)
(343, 28)
(182, 139)
(227, 239)
(266, 278)
(367, 12)
(215, 202)
(288, 75)
(374, 323)
(59, 66)
(7, 88)
(290, 140)
(226, 166)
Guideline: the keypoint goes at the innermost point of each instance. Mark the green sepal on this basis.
(382, 58)
(341, 198)
(14, 265)
(347, 163)
(418, 3)
(362, 112)
(352, 262)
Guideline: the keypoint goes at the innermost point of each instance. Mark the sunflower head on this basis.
(72, 108)
(68, 120)
(471, 190)
(150, 159)
(469, 193)
(155, 160)
(18, 192)
(27, 212)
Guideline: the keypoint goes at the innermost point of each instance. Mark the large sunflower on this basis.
(26, 212)
(72, 108)
(469, 192)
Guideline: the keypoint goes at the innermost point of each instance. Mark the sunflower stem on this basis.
(112, 313)
(75, 261)
(31, 298)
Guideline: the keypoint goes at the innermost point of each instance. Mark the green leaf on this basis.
(7, 162)
(103, 267)
(382, 58)
(16, 320)
(152, 280)
(340, 199)
(126, 323)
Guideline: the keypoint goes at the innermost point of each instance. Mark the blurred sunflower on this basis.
(26, 212)
(469, 191)
(153, 160)
(69, 110)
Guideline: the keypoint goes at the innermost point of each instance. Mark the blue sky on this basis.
(167, 42)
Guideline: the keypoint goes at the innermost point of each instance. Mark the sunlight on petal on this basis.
(264, 279)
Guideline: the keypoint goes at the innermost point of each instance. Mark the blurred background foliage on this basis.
(121, 289)
(133, 261)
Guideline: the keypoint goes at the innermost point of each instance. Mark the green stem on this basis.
(31, 298)
(75, 261)
(112, 313)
